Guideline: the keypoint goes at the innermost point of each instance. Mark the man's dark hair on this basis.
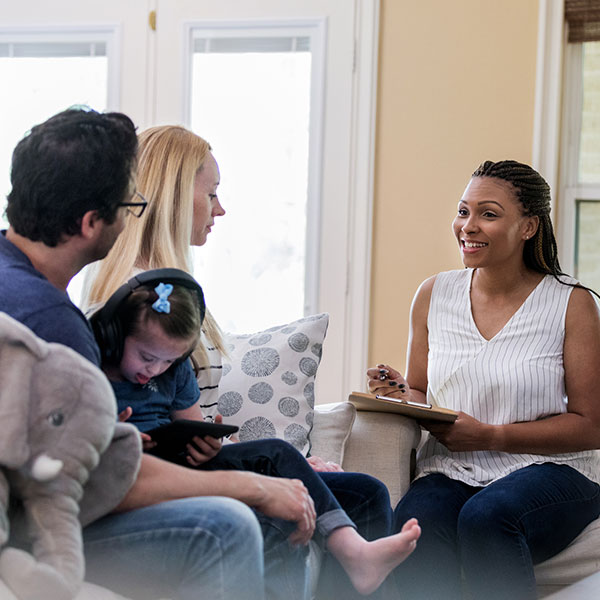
(76, 161)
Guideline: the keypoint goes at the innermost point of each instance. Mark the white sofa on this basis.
(383, 445)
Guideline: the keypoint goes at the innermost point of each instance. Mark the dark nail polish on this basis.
(393, 383)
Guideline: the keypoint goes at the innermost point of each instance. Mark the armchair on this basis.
(384, 445)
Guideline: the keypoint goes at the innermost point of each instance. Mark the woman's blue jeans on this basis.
(494, 534)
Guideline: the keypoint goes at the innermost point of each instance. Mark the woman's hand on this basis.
(318, 464)
(465, 434)
(386, 381)
(202, 449)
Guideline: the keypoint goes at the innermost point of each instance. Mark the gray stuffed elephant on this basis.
(58, 416)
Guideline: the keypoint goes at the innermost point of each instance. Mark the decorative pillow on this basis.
(331, 429)
(268, 382)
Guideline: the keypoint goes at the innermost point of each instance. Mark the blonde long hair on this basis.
(169, 158)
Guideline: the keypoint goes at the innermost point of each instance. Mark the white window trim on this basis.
(569, 190)
(316, 30)
(546, 127)
(364, 101)
(362, 175)
(108, 33)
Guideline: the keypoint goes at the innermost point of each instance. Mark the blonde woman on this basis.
(179, 176)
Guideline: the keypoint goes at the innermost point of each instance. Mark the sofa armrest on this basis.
(383, 445)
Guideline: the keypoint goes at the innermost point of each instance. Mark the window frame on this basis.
(571, 190)
(557, 125)
(315, 29)
(136, 83)
(110, 34)
(347, 250)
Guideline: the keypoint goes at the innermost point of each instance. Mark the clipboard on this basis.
(416, 410)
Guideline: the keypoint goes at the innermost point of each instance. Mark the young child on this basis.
(154, 383)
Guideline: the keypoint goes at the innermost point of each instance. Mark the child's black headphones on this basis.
(106, 324)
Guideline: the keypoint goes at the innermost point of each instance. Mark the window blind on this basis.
(583, 18)
(251, 44)
(52, 49)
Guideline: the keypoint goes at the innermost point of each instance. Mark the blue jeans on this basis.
(183, 549)
(366, 500)
(341, 499)
(495, 534)
(277, 458)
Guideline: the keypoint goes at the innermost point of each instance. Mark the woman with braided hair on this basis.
(513, 345)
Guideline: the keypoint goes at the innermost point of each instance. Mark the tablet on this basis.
(172, 438)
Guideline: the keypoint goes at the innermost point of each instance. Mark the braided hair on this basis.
(540, 252)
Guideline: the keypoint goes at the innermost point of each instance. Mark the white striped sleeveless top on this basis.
(518, 375)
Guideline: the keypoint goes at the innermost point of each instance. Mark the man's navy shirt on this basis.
(27, 296)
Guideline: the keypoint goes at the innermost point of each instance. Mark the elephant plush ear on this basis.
(20, 351)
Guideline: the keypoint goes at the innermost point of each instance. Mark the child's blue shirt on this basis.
(153, 402)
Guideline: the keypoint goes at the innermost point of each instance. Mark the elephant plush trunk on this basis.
(56, 569)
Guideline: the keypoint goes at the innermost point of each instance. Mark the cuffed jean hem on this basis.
(331, 520)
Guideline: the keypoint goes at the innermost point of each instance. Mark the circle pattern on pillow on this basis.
(257, 428)
(260, 362)
(289, 407)
(230, 403)
(260, 392)
(268, 381)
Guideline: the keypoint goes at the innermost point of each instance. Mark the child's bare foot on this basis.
(369, 563)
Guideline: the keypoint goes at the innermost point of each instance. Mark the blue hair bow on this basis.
(162, 305)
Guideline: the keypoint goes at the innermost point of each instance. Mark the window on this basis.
(580, 191)
(151, 62)
(43, 73)
(259, 107)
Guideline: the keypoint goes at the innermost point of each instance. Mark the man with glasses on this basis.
(177, 532)
(136, 208)
(71, 176)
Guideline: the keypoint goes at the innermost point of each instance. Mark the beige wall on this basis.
(456, 87)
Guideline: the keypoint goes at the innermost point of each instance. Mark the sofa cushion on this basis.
(579, 559)
(268, 381)
(331, 429)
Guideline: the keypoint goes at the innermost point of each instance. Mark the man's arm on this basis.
(288, 499)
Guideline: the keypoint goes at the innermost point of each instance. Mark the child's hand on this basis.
(125, 414)
(202, 449)
(232, 438)
(147, 441)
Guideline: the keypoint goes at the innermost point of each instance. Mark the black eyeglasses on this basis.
(136, 208)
